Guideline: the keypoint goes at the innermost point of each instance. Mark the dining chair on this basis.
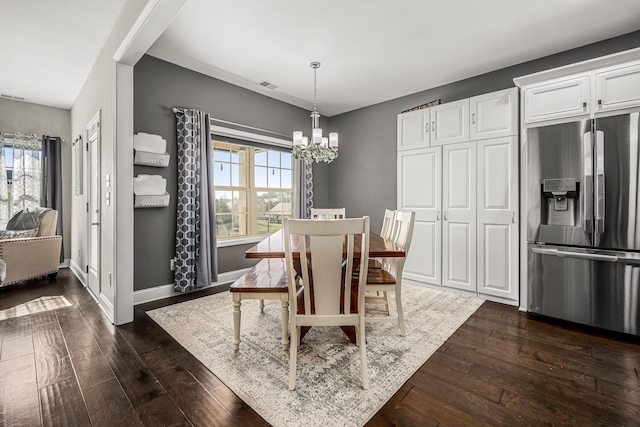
(334, 213)
(389, 278)
(388, 225)
(328, 297)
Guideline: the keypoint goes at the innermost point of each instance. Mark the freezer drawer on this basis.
(591, 287)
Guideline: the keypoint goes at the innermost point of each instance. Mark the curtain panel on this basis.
(196, 253)
(303, 189)
(51, 173)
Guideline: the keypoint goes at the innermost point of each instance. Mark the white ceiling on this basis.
(47, 47)
(371, 50)
(375, 50)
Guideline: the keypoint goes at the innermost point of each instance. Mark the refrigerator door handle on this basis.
(600, 183)
(587, 179)
(580, 255)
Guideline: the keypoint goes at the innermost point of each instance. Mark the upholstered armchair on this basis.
(29, 246)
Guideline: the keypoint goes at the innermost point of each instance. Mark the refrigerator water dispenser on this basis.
(560, 194)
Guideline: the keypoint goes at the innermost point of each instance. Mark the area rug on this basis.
(328, 388)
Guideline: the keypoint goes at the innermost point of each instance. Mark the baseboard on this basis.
(166, 291)
(106, 306)
(78, 272)
(65, 263)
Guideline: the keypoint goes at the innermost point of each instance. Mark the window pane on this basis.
(286, 178)
(274, 178)
(286, 160)
(221, 155)
(235, 157)
(235, 175)
(261, 157)
(221, 174)
(274, 159)
(260, 176)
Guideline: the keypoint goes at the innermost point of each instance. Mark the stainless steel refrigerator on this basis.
(583, 222)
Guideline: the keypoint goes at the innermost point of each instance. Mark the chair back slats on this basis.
(387, 224)
(332, 213)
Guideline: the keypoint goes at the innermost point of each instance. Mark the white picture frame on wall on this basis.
(77, 166)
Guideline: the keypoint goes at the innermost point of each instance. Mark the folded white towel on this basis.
(149, 185)
(149, 142)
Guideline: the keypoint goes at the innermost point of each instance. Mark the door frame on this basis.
(93, 128)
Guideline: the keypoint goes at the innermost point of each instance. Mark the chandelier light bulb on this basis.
(297, 138)
(317, 136)
(333, 140)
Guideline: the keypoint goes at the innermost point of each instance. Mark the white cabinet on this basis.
(413, 129)
(498, 217)
(494, 115)
(450, 123)
(420, 191)
(617, 88)
(566, 98)
(459, 206)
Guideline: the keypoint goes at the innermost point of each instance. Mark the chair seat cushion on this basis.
(17, 234)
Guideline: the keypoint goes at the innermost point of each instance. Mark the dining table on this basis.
(273, 247)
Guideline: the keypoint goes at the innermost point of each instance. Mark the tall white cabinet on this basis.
(458, 171)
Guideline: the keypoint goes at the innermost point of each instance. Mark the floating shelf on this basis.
(160, 201)
(146, 158)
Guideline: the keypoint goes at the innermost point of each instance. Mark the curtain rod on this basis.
(213, 119)
(12, 135)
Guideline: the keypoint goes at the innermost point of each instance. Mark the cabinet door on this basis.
(459, 226)
(498, 217)
(450, 123)
(567, 98)
(494, 115)
(420, 191)
(619, 88)
(413, 130)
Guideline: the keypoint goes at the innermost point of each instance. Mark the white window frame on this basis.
(254, 137)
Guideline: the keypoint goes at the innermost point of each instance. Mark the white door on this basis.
(618, 88)
(459, 226)
(93, 206)
(566, 98)
(413, 129)
(420, 191)
(498, 217)
(494, 115)
(450, 123)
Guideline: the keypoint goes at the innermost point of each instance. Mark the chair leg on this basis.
(293, 355)
(387, 297)
(364, 376)
(284, 301)
(261, 306)
(399, 310)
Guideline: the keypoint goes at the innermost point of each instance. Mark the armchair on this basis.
(31, 257)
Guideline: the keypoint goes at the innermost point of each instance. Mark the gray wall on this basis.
(158, 87)
(24, 117)
(363, 177)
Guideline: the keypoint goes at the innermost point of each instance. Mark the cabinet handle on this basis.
(445, 215)
(426, 128)
(599, 103)
(433, 126)
(513, 217)
(438, 216)
(473, 118)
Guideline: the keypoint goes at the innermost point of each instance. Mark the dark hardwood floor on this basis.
(66, 365)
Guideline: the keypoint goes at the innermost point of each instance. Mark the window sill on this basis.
(242, 241)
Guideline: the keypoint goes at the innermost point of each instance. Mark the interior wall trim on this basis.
(78, 272)
(166, 291)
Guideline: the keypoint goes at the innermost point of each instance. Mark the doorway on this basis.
(93, 206)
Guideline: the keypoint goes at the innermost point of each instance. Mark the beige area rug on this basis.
(328, 391)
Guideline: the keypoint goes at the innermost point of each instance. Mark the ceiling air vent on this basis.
(17, 98)
(266, 84)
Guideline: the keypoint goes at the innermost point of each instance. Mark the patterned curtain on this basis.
(51, 188)
(303, 189)
(26, 174)
(196, 253)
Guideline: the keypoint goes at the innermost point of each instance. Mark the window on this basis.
(253, 189)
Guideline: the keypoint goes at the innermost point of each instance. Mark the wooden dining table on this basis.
(273, 247)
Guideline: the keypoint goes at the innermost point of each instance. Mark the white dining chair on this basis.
(333, 213)
(388, 225)
(328, 296)
(389, 278)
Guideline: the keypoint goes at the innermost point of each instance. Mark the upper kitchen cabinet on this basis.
(599, 85)
(566, 98)
(413, 129)
(450, 123)
(494, 115)
(618, 88)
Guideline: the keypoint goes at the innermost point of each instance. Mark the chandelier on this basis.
(319, 149)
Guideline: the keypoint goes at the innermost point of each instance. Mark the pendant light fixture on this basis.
(319, 148)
